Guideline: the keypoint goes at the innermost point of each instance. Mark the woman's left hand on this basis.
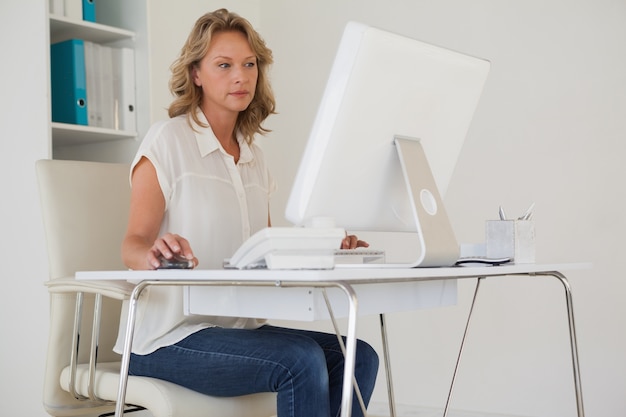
(352, 242)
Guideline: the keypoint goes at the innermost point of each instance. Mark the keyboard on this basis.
(359, 256)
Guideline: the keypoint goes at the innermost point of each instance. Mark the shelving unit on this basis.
(119, 22)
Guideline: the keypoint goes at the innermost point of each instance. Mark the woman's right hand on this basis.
(142, 247)
(168, 246)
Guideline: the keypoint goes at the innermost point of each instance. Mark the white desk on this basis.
(406, 285)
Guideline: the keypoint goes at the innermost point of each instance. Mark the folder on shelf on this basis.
(94, 116)
(89, 10)
(110, 80)
(105, 96)
(124, 89)
(56, 7)
(74, 9)
(67, 68)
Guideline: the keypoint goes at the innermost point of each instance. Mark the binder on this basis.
(89, 10)
(68, 84)
(96, 66)
(105, 96)
(57, 7)
(124, 89)
(74, 9)
(94, 116)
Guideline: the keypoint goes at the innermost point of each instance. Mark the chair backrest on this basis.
(85, 210)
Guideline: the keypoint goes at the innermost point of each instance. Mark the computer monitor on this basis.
(382, 86)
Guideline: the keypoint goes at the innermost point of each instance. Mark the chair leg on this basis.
(78, 314)
(95, 342)
(130, 409)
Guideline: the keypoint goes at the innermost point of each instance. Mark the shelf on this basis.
(64, 134)
(62, 28)
(121, 24)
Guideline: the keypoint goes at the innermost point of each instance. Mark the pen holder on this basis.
(512, 239)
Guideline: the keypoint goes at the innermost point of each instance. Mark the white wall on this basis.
(23, 134)
(549, 129)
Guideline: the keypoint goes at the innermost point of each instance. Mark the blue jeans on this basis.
(304, 367)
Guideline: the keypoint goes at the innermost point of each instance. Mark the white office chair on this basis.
(85, 210)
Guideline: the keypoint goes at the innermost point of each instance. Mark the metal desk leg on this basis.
(342, 345)
(572, 334)
(350, 355)
(128, 342)
(458, 359)
(390, 393)
(572, 339)
(350, 347)
(383, 331)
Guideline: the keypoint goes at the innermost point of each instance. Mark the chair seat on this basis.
(159, 395)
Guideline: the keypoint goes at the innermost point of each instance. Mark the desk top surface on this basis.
(352, 275)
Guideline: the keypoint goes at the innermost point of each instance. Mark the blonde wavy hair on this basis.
(188, 96)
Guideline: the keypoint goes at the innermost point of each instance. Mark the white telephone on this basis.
(288, 248)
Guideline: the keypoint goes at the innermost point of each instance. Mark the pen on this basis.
(501, 213)
(528, 214)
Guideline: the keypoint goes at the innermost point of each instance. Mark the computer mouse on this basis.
(176, 262)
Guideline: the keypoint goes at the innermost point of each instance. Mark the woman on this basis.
(200, 187)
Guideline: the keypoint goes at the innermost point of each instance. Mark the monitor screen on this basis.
(383, 85)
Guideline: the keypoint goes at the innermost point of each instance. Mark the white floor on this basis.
(382, 410)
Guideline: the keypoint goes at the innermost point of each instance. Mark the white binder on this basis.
(73, 9)
(124, 89)
(106, 92)
(92, 81)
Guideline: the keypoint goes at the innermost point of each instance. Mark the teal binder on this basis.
(89, 10)
(68, 82)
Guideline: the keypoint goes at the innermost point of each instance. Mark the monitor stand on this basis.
(439, 246)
